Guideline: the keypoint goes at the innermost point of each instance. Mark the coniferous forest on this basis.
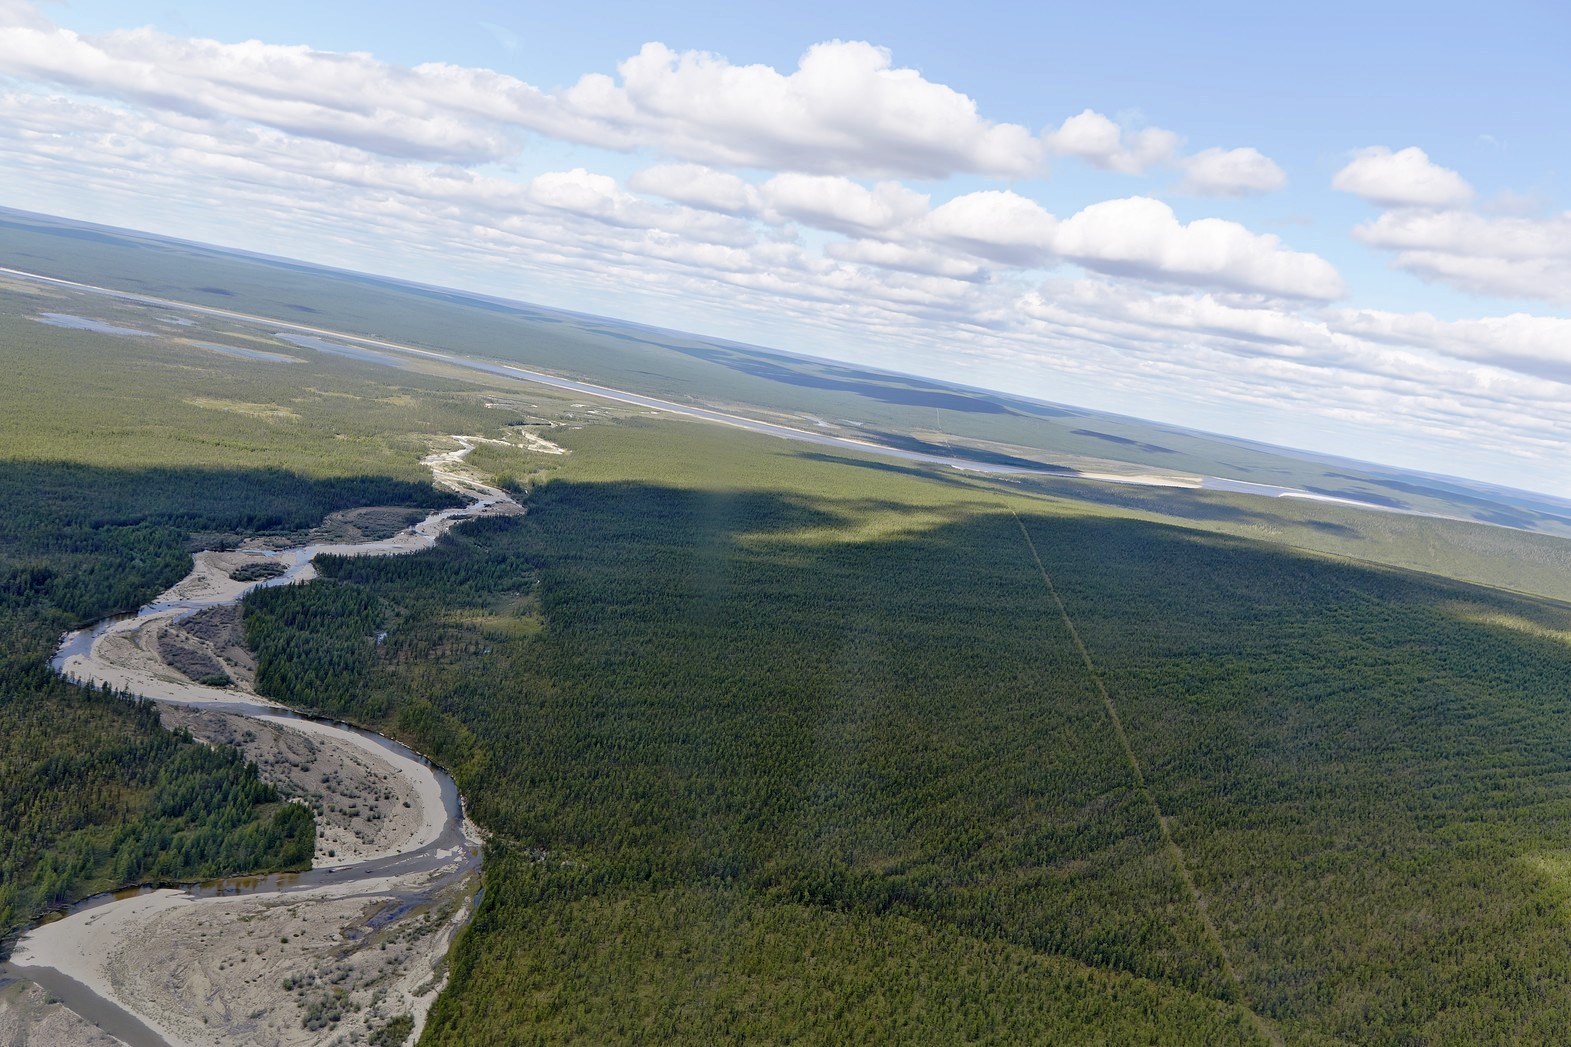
(844, 766)
(97, 794)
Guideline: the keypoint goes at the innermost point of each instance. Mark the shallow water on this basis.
(83, 323)
(353, 352)
(247, 354)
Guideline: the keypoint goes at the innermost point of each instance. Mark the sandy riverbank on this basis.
(313, 966)
(369, 802)
(309, 959)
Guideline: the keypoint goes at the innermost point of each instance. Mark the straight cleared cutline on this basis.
(1174, 851)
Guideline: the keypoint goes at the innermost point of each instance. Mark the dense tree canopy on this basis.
(735, 745)
(97, 794)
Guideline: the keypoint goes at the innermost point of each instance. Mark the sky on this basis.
(1342, 227)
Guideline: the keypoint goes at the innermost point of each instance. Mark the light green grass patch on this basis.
(269, 412)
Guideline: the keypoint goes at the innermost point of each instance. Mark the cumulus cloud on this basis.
(921, 302)
(1135, 318)
(22, 13)
(841, 205)
(1451, 384)
(1507, 256)
(1432, 234)
(904, 258)
(698, 186)
(1142, 237)
(1097, 139)
(845, 109)
(996, 224)
(352, 99)
(1535, 345)
(1230, 172)
(1543, 279)
(1456, 230)
(579, 191)
(1137, 236)
(1407, 178)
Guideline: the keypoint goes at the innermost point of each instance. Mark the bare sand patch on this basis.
(296, 960)
(369, 802)
(1192, 483)
(126, 657)
(323, 965)
(540, 444)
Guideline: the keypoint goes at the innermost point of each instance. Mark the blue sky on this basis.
(1342, 227)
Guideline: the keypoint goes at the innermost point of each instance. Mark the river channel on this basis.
(355, 942)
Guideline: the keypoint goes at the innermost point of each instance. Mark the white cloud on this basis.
(996, 224)
(1230, 172)
(698, 186)
(1507, 256)
(1358, 372)
(1407, 178)
(1434, 237)
(1465, 231)
(1106, 311)
(581, 192)
(1142, 237)
(904, 258)
(1535, 345)
(841, 205)
(1543, 279)
(352, 99)
(1097, 139)
(846, 109)
(1135, 237)
(22, 13)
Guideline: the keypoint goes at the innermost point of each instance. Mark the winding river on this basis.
(262, 959)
